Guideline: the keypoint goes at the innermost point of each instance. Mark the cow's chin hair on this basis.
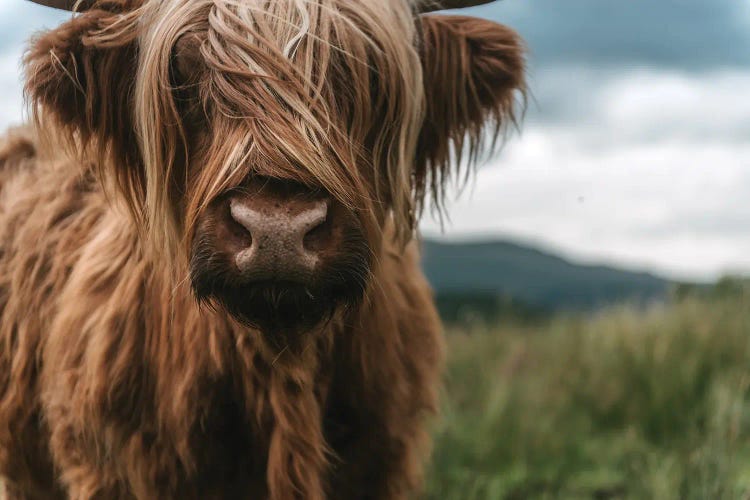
(283, 310)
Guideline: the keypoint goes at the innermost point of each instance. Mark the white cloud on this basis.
(710, 106)
(11, 102)
(654, 173)
(19, 20)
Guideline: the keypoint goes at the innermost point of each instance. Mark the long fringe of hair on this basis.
(322, 92)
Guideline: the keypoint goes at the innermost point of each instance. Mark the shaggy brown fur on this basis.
(115, 382)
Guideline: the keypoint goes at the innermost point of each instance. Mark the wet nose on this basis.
(278, 233)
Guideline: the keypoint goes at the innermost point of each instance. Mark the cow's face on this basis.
(270, 146)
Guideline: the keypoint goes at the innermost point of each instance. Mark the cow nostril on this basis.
(238, 229)
(317, 236)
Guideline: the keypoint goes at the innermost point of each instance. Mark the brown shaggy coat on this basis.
(115, 383)
(83, 375)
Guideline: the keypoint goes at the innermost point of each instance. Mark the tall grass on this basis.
(628, 404)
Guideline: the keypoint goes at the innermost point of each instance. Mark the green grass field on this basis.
(628, 404)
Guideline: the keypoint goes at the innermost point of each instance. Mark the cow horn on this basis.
(424, 6)
(71, 5)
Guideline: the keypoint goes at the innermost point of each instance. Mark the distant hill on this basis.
(492, 270)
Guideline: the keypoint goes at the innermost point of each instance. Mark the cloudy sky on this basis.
(636, 147)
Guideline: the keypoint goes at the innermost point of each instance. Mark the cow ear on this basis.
(79, 83)
(474, 75)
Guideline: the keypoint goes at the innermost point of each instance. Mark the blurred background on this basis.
(592, 274)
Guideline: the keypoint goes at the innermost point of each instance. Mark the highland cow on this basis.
(209, 277)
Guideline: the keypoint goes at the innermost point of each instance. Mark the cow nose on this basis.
(278, 235)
